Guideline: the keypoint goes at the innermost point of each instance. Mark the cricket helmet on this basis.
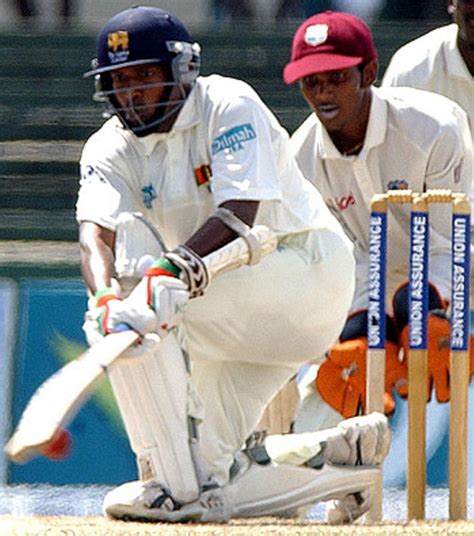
(140, 36)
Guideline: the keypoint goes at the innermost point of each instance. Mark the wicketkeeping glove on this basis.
(341, 379)
(438, 339)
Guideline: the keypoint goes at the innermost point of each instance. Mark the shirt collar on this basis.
(191, 112)
(375, 135)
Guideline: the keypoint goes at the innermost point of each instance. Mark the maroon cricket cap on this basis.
(329, 41)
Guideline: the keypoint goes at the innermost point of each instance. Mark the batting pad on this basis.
(152, 395)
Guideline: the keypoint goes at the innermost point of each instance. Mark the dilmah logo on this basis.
(316, 34)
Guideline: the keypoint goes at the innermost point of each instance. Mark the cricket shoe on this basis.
(150, 501)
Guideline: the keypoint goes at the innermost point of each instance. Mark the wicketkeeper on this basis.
(184, 165)
(360, 141)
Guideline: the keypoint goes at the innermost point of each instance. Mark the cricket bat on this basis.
(59, 398)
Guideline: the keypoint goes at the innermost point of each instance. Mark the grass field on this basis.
(92, 526)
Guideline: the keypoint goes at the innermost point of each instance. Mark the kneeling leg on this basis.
(158, 409)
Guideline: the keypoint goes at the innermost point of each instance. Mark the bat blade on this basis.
(60, 397)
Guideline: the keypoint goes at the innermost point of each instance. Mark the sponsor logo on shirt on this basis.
(344, 202)
(149, 195)
(234, 139)
(90, 175)
(336, 206)
(398, 184)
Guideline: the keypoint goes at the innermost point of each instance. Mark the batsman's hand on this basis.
(156, 304)
(99, 322)
(439, 331)
(96, 324)
(341, 379)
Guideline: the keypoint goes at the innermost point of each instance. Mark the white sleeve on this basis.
(244, 163)
(409, 67)
(396, 73)
(104, 188)
(449, 167)
(450, 161)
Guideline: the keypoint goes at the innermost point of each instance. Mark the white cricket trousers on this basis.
(256, 326)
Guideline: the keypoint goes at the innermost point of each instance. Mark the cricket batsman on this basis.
(184, 165)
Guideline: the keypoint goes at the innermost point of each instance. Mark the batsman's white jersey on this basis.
(255, 326)
(433, 62)
(223, 126)
(415, 140)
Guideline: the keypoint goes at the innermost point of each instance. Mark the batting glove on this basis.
(157, 303)
(96, 324)
(341, 379)
(106, 300)
(99, 323)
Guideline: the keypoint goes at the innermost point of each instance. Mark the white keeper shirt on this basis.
(433, 62)
(415, 140)
(225, 145)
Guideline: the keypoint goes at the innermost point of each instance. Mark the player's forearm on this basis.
(97, 274)
(215, 233)
(97, 257)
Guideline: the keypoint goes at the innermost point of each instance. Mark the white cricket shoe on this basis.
(150, 501)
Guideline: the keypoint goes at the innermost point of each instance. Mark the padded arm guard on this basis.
(243, 230)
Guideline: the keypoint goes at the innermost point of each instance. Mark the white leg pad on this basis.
(279, 489)
(152, 393)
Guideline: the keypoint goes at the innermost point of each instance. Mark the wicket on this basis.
(417, 362)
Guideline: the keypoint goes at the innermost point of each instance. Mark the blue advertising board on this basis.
(49, 334)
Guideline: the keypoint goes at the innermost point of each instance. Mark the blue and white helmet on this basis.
(140, 36)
